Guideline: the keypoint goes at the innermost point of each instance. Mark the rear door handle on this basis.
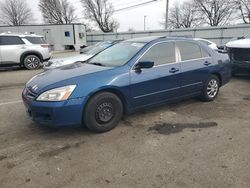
(174, 70)
(207, 63)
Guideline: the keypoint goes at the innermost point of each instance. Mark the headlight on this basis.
(57, 94)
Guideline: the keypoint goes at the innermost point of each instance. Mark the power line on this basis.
(118, 4)
(135, 6)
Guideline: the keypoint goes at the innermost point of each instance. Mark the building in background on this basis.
(60, 37)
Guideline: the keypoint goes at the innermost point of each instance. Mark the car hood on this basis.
(59, 62)
(242, 43)
(63, 74)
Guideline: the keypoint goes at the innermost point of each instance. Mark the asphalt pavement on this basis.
(188, 144)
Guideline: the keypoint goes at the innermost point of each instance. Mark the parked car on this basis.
(129, 76)
(27, 51)
(239, 53)
(86, 54)
(223, 49)
(209, 43)
(97, 46)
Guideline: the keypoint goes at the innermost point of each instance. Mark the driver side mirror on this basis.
(144, 65)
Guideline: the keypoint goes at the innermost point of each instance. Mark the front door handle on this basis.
(207, 63)
(174, 70)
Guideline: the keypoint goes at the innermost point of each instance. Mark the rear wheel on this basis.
(211, 89)
(31, 62)
(103, 112)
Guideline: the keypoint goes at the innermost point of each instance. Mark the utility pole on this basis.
(166, 18)
(145, 23)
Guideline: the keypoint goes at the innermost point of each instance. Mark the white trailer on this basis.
(60, 37)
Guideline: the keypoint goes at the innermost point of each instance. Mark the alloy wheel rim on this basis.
(104, 112)
(32, 62)
(212, 88)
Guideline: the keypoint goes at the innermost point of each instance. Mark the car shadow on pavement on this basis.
(242, 77)
(50, 131)
(14, 68)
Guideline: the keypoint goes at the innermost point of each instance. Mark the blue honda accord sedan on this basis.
(131, 75)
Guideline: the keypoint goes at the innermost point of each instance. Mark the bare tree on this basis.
(183, 16)
(15, 12)
(215, 12)
(244, 8)
(100, 12)
(57, 11)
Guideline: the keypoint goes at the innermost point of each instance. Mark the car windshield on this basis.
(117, 55)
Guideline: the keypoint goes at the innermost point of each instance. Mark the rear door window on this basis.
(189, 50)
(10, 40)
(36, 40)
(160, 54)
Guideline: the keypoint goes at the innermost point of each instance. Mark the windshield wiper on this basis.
(98, 64)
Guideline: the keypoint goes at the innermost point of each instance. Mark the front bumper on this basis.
(57, 114)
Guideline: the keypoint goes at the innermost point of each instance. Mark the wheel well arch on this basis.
(25, 54)
(219, 77)
(114, 91)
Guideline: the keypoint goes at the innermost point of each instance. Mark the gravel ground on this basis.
(188, 144)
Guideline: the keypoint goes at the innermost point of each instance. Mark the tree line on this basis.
(190, 13)
(17, 12)
(195, 13)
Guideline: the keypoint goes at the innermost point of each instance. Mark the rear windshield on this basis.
(36, 40)
(98, 47)
(205, 42)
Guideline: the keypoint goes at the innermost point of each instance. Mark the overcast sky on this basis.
(132, 18)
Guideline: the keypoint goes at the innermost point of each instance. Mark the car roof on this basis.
(111, 41)
(159, 38)
(19, 35)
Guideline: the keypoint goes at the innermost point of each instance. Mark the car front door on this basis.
(195, 66)
(159, 83)
(11, 49)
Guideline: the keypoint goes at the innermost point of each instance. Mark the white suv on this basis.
(28, 51)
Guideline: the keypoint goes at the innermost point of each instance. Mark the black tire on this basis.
(103, 112)
(31, 62)
(210, 89)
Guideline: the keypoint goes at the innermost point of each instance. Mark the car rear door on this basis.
(195, 65)
(159, 83)
(11, 49)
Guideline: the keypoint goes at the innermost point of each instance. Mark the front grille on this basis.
(30, 94)
(240, 54)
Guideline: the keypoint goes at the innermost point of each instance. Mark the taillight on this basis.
(45, 45)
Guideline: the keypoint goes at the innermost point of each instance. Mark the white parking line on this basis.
(12, 102)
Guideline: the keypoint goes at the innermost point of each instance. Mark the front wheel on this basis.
(211, 89)
(103, 112)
